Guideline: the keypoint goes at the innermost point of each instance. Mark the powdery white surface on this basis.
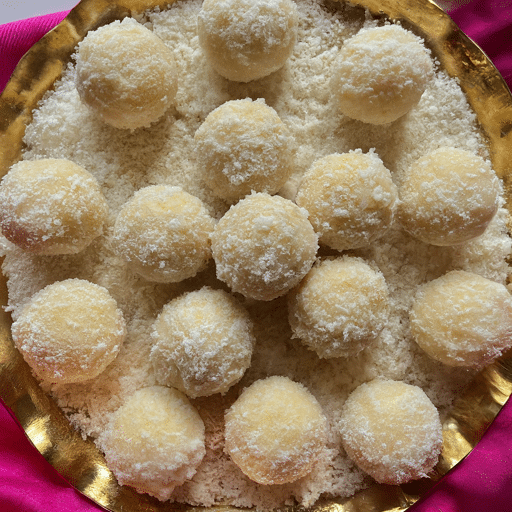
(392, 430)
(124, 162)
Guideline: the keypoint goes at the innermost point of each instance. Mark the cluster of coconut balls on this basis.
(264, 247)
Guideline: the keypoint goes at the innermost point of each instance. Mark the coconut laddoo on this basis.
(70, 331)
(51, 206)
(339, 307)
(380, 74)
(275, 431)
(247, 39)
(462, 319)
(243, 146)
(448, 197)
(126, 74)
(392, 431)
(203, 342)
(350, 199)
(164, 234)
(155, 441)
(263, 246)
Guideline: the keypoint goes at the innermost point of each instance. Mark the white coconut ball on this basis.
(380, 74)
(70, 331)
(126, 74)
(247, 39)
(155, 441)
(203, 342)
(392, 431)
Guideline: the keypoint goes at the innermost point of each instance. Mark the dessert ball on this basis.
(51, 206)
(448, 197)
(350, 199)
(275, 431)
(164, 234)
(243, 146)
(155, 441)
(203, 343)
(392, 431)
(247, 39)
(340, 307)
(462, 319)
(70, 331)
(380, 74)
(263, 246)
(126, 74)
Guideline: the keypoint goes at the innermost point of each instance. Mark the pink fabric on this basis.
(482, 482)
(17, 37)
(489, 24)
(27, 482)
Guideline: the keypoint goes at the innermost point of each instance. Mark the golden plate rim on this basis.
(78, 460)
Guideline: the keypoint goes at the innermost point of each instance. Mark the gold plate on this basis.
(78, 460)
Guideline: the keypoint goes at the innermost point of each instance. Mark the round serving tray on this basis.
(78, 460)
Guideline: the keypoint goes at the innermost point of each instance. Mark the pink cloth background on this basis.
(482, 482)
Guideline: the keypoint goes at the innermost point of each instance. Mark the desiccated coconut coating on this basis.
(70, 331)
(155, 441)
(51, 206)
(462, 319)
(243, 146)
(164, 234)
(203, 342)
(392, 431)
(247, 39)
(126, 74)
(448, 197)
(350, 199)
(339, 307)
(275, 431)
(380, 74)
(263, 246)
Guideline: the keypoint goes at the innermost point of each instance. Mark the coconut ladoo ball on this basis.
(70, 331)
(380, 74)
(462, 319)
(155, 441)
(51, 206)
(126, 74)
(243, 146)
(164, 234)
(203, 343)
(392, 431)
(275, 431)
(339, 308)
(263, 246)
(350, 199)
(247, 39)
(448, 197)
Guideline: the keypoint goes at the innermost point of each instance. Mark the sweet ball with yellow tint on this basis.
(70, 331)
(462, 319)
(203, 342)
(243, 146)
(245, 40)
(380, 74)
(448, 196)
(350, 199)
(340, 307)
(263, 246)
(126, 74)
(51, 206)
(392, 431)
(275, 431)
(154, 441)
(163, 233)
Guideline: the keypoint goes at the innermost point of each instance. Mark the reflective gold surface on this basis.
(79, 461)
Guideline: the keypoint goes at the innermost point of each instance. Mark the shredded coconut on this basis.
(124, 162)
